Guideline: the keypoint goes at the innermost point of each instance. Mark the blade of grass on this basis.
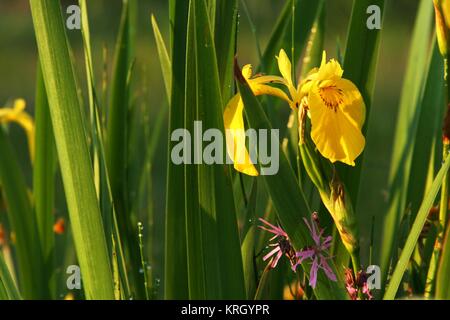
(306, 12)
(414, 234)
(429, 122)
(252, 28)
(360, 65)
(44, 183)
(202, 279)
(72, 149)
(225, 43)
(289, 33)
(443, 275)
(85, 30)
(104, 193)
(248, 258)
(406, 132)
(175, 273)
(164, 59)
(22, 220)
(117, 151)
(8, 289)
(117, 120)
(430, 118)
(215, 189)
(361, 54)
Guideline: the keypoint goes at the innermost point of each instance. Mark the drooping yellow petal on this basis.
(267, 79)
(235, 136)
(261, 89)
(336, 130)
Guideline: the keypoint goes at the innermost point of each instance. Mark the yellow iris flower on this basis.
(337, 112)
(18, 115)
(334, 104)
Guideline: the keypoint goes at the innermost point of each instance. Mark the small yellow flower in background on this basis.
(234, 119)
(69, 296)
(18, 115)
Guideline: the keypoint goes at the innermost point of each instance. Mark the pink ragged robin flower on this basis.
(318, 252)
(353, 286)
(281, 245)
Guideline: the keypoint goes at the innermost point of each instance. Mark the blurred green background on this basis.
(18, 56)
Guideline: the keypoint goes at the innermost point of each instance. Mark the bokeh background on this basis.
(18, 55)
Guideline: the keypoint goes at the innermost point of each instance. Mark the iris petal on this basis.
(284, 64)
(337, 131)
(235, 137)
(330, 70)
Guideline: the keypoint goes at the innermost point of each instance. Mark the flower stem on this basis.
(143, 263)
(356, 263)
(431, 275)
(293, 38)
(443, 207)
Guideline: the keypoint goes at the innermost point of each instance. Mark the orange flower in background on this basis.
(2, 235)
(60, 226)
